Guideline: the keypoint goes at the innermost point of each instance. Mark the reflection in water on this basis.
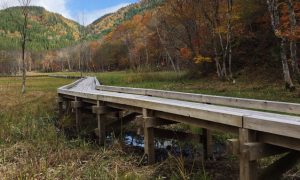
(173, 147)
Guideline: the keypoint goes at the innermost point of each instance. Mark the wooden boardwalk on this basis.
(259, 133)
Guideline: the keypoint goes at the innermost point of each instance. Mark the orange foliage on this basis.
(285, 29)
(185, 53)
(94, 45)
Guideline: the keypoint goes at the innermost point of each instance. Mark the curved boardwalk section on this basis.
(259, 133)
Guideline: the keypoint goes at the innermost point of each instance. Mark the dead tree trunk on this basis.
(286, 72)
(229, 36)
(293, 45)
(223, 59)
(69, 64)
(273, 9)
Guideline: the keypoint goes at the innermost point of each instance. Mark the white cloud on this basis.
(89, 17)
(58, 6)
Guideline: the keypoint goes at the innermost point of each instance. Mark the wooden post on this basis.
(68, 109)
(100, 111)
(78, 116)
(207, 143)
(148, 137)
(101, 129)
(76, 105)
(248, 168)
(60, 103)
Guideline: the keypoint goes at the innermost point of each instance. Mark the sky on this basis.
(82, 11)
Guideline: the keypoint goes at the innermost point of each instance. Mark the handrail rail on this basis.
(282, 107)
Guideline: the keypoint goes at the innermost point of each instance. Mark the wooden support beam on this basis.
(197, 122)
(125, 107)
(207, 143)
(67, 96)
(278, 140)
(154, 122)
(76, 104)
(254, 150)
(248, 168)
(148, 138)
(281, 166)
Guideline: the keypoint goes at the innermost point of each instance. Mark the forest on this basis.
(206, 38)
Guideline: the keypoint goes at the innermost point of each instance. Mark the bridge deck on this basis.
(279, 124)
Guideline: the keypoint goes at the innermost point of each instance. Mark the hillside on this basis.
(53, 31)
(107, 23)
(47, 30)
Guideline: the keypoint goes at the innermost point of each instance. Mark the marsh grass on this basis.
(32, 147)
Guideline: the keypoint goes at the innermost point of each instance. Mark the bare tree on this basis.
(24, 37)
(166, 50)
(273, 8)
(222, 44)
(293, 44)
(24, 32)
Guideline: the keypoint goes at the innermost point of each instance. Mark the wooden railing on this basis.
(264, 105)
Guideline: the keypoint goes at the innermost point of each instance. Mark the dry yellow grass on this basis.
(31, 147)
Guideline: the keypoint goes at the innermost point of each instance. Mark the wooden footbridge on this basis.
(262, 128)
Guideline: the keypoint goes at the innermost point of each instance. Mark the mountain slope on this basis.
(53, 31)
(107, 23)
(46, 30)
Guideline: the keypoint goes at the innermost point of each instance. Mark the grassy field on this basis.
(32, 147)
